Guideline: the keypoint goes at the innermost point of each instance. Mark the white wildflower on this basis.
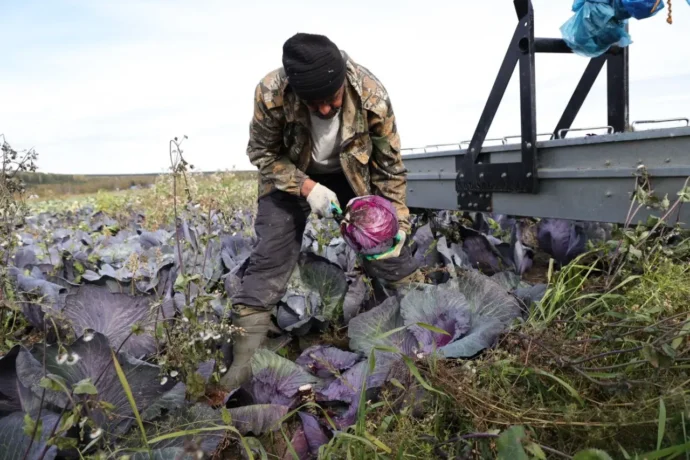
(96, 433)
(73, 359)
(223, 370)
(61, 359)
(185, 319)
(174, 374)
(306, 387)
(164, 380)
(88, 337)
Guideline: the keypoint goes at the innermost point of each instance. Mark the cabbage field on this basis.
(530, 339)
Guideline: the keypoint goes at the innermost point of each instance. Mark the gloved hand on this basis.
(320, 199)
(395, 250)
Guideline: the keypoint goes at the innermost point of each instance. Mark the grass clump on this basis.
(590, 368)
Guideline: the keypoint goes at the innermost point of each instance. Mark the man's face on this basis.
(328, 108)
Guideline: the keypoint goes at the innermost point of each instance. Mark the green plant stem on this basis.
(607, 353)
(173, 165)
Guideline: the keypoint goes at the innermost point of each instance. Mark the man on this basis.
(323, 132)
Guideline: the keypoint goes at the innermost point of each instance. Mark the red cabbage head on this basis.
(370, 225)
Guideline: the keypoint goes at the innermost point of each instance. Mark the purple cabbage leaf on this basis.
(482, 252)
(372, 329)
(471, 310)
(299, 445)
(258, 418)
(276, 380)
(348, 387)
(299, 314)
(563, 239)
(527, 294)
(41, 296)
(317, 292)
(314, 433)
(443, 308)
(327, 279)
(95, 308)
(90, 357)
(326, 361)
(357, 294)
(15, 397)
(235, 249)
(14, 442)
(453, 255)
(425, 250)
(491, 309)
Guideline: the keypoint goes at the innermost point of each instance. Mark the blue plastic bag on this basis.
(642, 9)
(596, 26)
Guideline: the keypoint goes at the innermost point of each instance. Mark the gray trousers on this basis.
(279, 226)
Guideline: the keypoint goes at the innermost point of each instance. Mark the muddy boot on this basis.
(389, 288)
(416, 277)
(255, 322)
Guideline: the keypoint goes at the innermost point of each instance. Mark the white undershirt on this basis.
(325, 136)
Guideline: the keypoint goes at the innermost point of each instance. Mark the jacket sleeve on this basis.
(263, 149)
(388, 173)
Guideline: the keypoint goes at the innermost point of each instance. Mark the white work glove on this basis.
(320, 199)
(395, 250)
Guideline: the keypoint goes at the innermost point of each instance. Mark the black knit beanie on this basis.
(314, 66)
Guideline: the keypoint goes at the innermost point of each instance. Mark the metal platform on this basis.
(585, 178)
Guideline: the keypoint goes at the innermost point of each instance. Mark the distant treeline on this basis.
(47, 178)
(46, 184)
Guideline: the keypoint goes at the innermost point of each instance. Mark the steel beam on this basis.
(582, 178)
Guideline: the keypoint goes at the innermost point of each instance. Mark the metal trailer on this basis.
(589, 178)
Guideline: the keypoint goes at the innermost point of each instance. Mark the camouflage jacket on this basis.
(280, 143)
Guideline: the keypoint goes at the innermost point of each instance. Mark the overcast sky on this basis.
(100, 86)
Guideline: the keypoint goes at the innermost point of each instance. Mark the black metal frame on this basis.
(477, 180)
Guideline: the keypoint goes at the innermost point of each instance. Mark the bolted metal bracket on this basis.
(473, 201)
(476, 181)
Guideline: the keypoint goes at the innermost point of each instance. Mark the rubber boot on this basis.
(256, 322)
(398, 288)
(416, 277)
